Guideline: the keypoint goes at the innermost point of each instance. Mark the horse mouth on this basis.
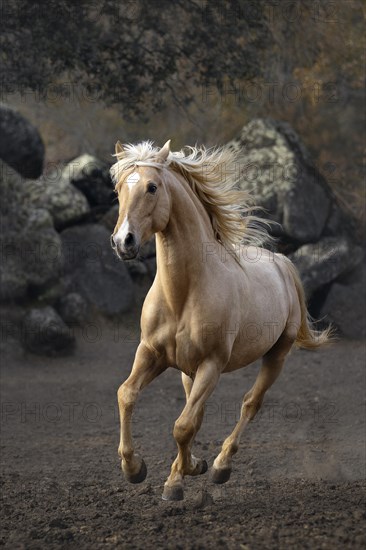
(126, 256)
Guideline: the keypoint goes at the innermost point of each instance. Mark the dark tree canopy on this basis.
(139, 54)
(131, 53)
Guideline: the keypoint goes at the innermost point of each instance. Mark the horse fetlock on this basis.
(222, 461)
(198, 467)
(135, 471)
(230, 447)
(126, 454)
(234, 447)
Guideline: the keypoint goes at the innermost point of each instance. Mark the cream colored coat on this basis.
(215, 306)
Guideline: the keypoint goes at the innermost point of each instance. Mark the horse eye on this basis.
(151, 188)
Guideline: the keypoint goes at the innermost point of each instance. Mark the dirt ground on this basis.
(298, 479)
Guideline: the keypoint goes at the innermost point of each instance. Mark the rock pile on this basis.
(57, 263)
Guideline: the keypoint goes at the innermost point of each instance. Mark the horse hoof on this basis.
(173, 493)
(220, 476)
(140, 476)
(204, 467)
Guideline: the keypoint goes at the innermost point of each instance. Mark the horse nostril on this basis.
(112, 241)
(129, 240)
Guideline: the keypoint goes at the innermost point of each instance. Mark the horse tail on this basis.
(308, 337)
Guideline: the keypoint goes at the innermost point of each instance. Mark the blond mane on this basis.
(213, 174)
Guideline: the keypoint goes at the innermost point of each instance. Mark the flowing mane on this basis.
(213, 174)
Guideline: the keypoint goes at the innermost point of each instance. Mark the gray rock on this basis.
(11, 319)
(110, 218)
(45, 333)
(275, 166)
(73, 309)
(323, 262)
(31, 258)
(41, 255)
(13, 280)
(39, 218)
(21, 146)
(91, 176)
(151, 266)
(136, 268)
(50, 293)
(148, 250)
(91, 268)
(55, 193)
(30, 246)
(345, 305)
(13, 210)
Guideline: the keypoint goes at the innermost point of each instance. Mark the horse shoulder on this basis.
(157, 323)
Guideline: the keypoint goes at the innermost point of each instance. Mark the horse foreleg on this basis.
(271, 367)
(185, 429)
(145, 368)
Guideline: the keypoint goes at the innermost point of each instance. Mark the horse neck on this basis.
(180, 247)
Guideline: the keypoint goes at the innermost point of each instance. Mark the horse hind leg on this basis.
(197, 466)
(272, 364)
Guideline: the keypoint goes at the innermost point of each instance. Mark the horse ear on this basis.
(119, 150)
(164, 151)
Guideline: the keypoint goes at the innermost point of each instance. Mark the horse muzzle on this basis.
(126, 249)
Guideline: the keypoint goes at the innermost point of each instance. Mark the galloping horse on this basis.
(218, 301)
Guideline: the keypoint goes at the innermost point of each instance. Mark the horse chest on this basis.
(179, 346)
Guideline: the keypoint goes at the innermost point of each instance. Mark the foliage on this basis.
(131, 53)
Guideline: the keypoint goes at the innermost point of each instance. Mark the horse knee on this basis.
(183, 431)
(126, 396)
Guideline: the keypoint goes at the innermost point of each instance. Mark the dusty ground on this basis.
(299, 477)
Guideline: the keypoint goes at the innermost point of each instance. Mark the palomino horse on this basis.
(216, 305)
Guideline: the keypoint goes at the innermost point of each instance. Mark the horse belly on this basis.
(245, 353)
(257, 333)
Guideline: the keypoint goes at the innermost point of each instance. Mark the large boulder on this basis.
(21, 145)
(45, 333)
(110, 218)
(275, 166)
(30, 248)
(31, 259)
(345, 304)
(91, 268)
(54, 192)
(13, 281)
(91, 176)
(73, 309)
(325, 261)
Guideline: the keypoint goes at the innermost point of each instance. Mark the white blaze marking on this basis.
(132, 179)
(122, 231)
